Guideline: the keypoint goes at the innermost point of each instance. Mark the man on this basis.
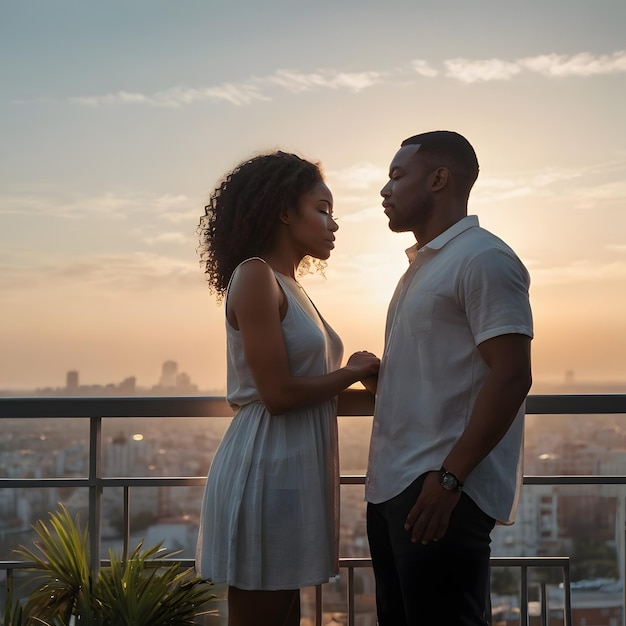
(446, 453)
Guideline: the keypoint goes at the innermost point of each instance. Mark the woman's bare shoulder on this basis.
(253, 281)
(251, 270)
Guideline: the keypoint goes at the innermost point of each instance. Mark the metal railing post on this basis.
(95, 491)
(567, 589)
(544, 603)
(351, 605)
(524, 596)
(126, 543)
(318, 605)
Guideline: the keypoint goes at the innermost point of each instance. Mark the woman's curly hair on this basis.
(243, 213)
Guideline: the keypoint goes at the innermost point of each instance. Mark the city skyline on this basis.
(119, 118)
(183, 385)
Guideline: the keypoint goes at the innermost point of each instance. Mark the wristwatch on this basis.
(449, 481)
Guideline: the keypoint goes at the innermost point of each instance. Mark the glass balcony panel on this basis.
(177, 446)
(574, 445)
(44, 448)
(354, 441)
(22, 507)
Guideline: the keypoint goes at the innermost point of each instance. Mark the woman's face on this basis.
(312, 227)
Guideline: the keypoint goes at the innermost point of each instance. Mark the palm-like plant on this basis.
(139, 593)
(143, 590)
(12, 614)
(65, 582)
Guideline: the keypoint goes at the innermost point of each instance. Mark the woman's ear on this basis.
(284, 218)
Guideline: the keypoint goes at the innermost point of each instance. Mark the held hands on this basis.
(364, 364)
(429, 518)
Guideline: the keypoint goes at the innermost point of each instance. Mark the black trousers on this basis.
(443, 583)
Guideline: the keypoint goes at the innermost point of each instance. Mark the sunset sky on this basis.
(117, 119)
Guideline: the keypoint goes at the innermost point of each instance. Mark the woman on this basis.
(270, 513)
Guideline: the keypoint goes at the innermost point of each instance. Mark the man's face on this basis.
(407, 197)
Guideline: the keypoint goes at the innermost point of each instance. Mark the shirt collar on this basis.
(465, 223)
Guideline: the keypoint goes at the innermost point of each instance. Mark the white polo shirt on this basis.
(462, 288)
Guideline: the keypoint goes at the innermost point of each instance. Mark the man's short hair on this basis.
(449, 149)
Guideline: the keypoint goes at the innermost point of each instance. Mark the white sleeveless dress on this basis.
(270, 515)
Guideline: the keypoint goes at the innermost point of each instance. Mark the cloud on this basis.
(423, 68)
(588, 197)
(240, 94)
(172, 208)
(494, 189)
(579, 272)
(168, 237)
(468, 71)
(137, 271)
(564, 183)
(359, 176)
(176, 97)
(620, 248)
(581, 64)
(355, 189)
(261, 88)
(64, 206)
(297, 82)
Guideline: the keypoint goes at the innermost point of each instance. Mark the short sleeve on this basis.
(494, 294)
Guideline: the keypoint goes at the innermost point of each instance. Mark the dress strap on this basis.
(230, 280)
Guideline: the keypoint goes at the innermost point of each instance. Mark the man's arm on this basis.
(371, 384)
(506, 386)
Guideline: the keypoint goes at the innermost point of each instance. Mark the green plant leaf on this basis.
(146, 589)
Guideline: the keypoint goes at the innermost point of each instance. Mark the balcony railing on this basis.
(351, 403)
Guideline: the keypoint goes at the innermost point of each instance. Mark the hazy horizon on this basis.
(568, 384)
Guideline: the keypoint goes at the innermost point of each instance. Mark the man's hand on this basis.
(429, 518)
(370, 383)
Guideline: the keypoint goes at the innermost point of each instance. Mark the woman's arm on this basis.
(254, 305)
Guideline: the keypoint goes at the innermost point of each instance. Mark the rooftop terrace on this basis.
(541, 535)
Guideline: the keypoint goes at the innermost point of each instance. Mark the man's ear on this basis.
(440, 178)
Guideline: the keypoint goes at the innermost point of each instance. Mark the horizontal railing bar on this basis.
(154, 481)
(199, 481)
(7, 565)
(575, 479)
(502, 561)
(352, 402)
(144, 406)
(46, 483)
(576, 404)
(530, 561)
(544, 479)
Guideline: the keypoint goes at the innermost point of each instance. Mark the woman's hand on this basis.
(364, 364)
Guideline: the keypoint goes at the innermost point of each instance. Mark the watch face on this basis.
(448, 481)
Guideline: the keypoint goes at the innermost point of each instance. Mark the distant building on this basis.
(168, 374)
(71, 381)
(172, 383)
